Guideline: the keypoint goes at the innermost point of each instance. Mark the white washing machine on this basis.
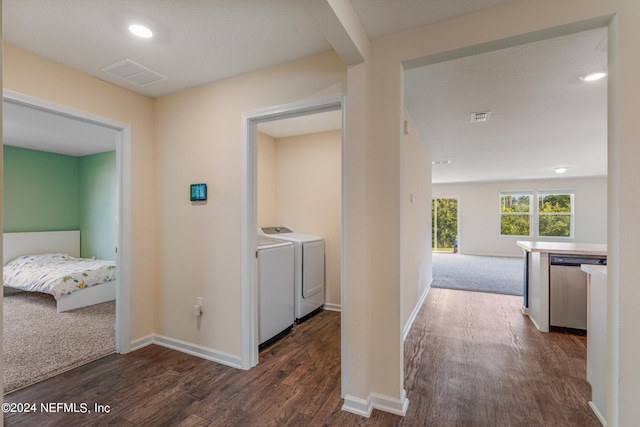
(309, 269)
(275, 289)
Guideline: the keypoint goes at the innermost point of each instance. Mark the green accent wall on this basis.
(51, 192)
(97, 205)
(40, 191)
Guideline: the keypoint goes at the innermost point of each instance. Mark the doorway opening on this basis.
(444, 225)
(249, 285)
(120, 133)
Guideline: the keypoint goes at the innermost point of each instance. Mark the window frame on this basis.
(571, 213)
(534, 211)
(530, 213)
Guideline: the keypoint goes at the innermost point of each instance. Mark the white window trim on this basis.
(534, 214)
(532, 198)
(556, 192)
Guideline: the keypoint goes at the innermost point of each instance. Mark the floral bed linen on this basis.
(57, 274)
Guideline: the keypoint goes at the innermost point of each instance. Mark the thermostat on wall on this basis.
(198, 192)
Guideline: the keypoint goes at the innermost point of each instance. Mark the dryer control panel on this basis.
(276, 230)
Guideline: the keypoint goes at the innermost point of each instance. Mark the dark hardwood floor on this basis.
(471, 359)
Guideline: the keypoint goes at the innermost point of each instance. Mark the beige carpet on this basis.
(39, 343)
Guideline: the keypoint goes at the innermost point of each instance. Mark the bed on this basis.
(16, 245)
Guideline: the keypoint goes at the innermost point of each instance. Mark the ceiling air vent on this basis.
(133, 72)
(481, 116)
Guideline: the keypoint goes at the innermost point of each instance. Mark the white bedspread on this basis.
(56, 274)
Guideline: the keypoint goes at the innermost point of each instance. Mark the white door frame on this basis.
(249, 286)
(123, 205)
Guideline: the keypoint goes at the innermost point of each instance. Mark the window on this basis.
(552, 218)
(555, 213)
(515, 213)
(444, 225)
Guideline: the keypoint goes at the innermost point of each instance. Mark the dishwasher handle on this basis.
(576, 261)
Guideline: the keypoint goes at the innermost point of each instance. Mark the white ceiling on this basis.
(37, 129)
(197, 41)
(301, 125)
(200, 41)
(542, 115)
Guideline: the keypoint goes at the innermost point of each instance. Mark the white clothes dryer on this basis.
(275, 289)
(309, 270)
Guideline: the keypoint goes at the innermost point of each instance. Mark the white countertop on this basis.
(595, 270)
(564, 248)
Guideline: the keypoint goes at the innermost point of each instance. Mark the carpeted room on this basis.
(40, 343)
(53, 191)
(491, 274)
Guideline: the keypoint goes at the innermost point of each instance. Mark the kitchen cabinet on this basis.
(538, 274)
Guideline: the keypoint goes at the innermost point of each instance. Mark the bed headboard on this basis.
(40, 242)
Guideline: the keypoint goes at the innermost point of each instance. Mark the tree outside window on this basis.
(555, 214)
(515, 214)
(444, 224)
(552, 218)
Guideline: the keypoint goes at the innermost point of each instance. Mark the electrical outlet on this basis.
(197, 309)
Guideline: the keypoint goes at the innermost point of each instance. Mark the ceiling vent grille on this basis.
(133, 72)
(481, 116)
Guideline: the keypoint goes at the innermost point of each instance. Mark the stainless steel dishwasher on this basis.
(568, 291)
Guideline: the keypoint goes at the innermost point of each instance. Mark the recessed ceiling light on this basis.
(561, 170)
(593, 76)
(140, 31)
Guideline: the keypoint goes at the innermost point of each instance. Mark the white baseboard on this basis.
(362, 407)
(189, 348)
(357, 406)
(493, 255)
(536, 324)
(141, 342)
(332, 307)
(389, 404)
(415, 311)
(595, 410)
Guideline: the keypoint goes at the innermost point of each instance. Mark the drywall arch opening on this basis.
(249, 289)
(122, 140)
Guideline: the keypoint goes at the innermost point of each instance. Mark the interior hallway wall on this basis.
(198, 139)
(416, 204)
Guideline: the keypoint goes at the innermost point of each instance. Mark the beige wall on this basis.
(309, 191)
(198, 139)
(267, 181)
(479, 215)
(36, 76)
(416, 217)
(300, 187)
(357, 295)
